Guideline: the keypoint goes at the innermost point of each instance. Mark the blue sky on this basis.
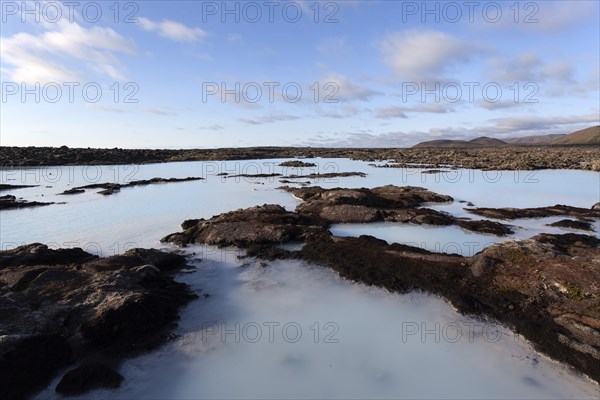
(389, 73)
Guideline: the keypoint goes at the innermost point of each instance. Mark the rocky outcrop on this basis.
(258, 225)
(8, 202)
(387, 203)
(72, 191)
(514, 158)
(555, 278)
(544, 288)
(297, 164)
(485, 226)
(63, 307)
(571, 224)
(88, 377)
(111, 188)
(321, 208)
(327, 175)
(5, 186)
(539, 212)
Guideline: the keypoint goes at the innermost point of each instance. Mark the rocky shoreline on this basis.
(583, 157)
(109, 188)
(70, 309)
(544, 288)
(8, 202)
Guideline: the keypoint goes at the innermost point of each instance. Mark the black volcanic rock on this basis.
(539, 212)
(514, 158)
(88, 377)
(571, 224)
(5, 186)
(8, 202)
(297, 164)
(61, 306)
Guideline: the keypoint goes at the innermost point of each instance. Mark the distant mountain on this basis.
(584, 136)
(539, 139)
(477, 142)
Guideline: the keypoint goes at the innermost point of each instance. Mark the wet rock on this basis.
(59, 306)
(485, 226)
(88, 377)
(387, 203)
(8, 202)
(146, 271)
(253, 175)
(40, 254)
(28, 363)
(555, 276)
(596, 206)
(571, 224)
(72, 191)
(482, 265)
(297, 164)
(108, 192)
(385, 197)
(111, 188)
(540, 212)
(345, 213)
(5, 186)
(564, 243)
(327, 175)
(263, 224)
(189, 223)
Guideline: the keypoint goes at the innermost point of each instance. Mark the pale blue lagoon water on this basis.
(292, 330)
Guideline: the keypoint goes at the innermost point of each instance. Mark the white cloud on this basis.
(345, 111)
(389, 112)
(346, 89)
(556, 15)
(158, 111)
(173, 30)
(269, 119)
(43, 57)
(423, 55)
(499, 105)
(521, 68)
(335, 46)
(555, 78)
(234, 38)
(214, 127)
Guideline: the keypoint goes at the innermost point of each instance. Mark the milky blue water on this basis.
(287, 329)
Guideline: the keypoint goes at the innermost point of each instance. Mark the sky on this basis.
(206, 74)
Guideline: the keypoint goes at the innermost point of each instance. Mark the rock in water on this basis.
(88, 377)
(58, 306)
